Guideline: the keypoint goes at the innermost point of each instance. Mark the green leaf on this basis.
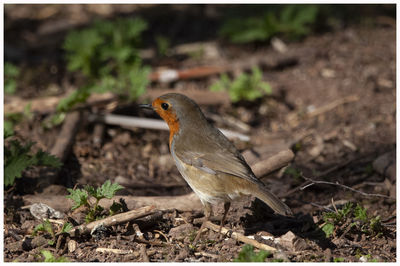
(290, 21)
(265, 87)
(108, 189)
(17, 159)
(328, 228)
(163, 44)
(49, 257)
(79, 197)
(14, 167)
(77, 96)
(339, 259)
(54, 120)
(8, 129)
(245, 87)
(45, 226)
(360, 213)
(11, 73)
(47, 159)
(115, 208)
(247, 254)
(67, 227)
(91, 191)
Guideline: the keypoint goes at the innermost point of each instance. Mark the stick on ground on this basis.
(313, 182)
(128, 121)
(239, 237)
(66, 137)
(273, 163)
(113, 220)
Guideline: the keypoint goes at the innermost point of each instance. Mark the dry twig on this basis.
(239, 237)
(128, 121)
(66, 137)
(64, 142)
(206, 254)
(312, 182)
(273, 163)
(118, 251)
(112, 220)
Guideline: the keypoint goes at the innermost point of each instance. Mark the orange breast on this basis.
(173, 129)
(169, 116)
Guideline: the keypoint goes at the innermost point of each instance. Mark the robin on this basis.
(211, 165)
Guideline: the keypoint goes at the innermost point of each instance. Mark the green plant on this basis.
(49, 257)
(11, 73)
(292, 21)
(108, 57)
(10, 119)
(163, 44)
(107, 54)
(339, 259)
(80, 198)
(247, 254)
(355, 217)
(8, 129)
(18, 157)
(47, 227)
(333, 219)
(245, 87)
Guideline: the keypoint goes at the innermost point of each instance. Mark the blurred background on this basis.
(316, 79)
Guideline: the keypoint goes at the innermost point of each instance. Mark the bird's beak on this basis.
(148, 106)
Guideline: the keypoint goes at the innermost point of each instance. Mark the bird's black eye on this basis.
(165, 106)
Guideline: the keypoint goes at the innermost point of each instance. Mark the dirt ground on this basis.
(334, 106)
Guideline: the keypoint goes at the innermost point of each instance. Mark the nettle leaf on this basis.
(67, 227)
(14, 167)
(79, 197)
(265, 87)
(44, 227)
(92, 191)
(109, 189)
(328, 228)
(17, 159)
(247, 254)
(47, 159)
(77, 96)
(8, 129)
(138, 81)
(360, 213)
(115, 208)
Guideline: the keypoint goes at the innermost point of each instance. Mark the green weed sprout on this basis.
(80, 198)
(11, 73)
(292, 21)
(247, 254)
(107, 56)
(18, 157)
(245, 87)
(360, 220)
(49, 257)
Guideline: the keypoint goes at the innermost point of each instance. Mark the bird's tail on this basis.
(272, 201)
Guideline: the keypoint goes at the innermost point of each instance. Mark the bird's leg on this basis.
(227, 205)
(207, 215)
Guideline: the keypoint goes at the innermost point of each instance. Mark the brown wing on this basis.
(213, 153)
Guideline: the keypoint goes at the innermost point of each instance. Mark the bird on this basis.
(211, 165)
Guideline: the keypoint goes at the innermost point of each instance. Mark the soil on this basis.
(350, 71)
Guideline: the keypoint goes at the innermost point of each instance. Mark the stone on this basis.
(181, 231)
